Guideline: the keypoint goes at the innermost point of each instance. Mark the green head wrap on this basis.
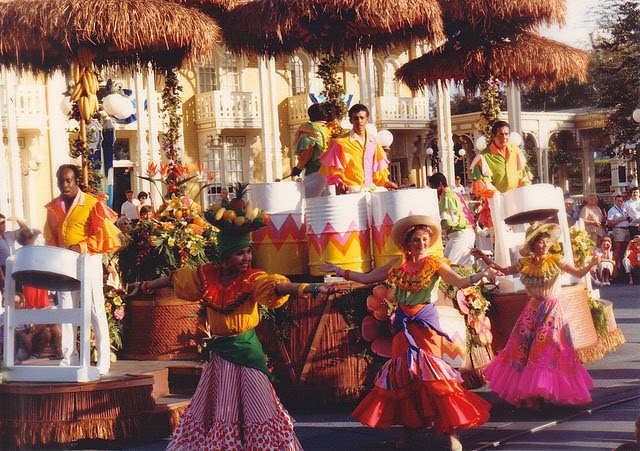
(228, 243)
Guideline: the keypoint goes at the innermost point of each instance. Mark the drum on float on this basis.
(387, 207)
(338, 232)
(281, 246)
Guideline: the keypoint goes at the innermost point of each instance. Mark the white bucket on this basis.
(387, 207)
(281, 246)
(338, 232)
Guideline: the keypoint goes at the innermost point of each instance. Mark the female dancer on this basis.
(234, 405)
(416, 388)
(539, 362)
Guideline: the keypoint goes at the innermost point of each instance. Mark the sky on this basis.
(581, 19)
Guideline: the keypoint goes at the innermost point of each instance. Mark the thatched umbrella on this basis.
(272, 27)
(45, 35)
(487, 14)
(523, 58)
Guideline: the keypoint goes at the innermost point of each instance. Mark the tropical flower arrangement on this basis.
(582, 246)
(377, 326)
(473, 304)
(178, 236)
(114, 305)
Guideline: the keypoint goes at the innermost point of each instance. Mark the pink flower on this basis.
(118, 314)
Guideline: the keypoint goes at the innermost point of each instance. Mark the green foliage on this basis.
(616, 57)
(571, 95)
(171, 103)
(280, 320)
(461, 104)
(333, 89)
(491, 105)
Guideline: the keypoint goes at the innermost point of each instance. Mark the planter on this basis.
(161, 327)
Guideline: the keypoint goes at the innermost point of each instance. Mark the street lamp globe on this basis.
(515, 138)
(462, 152)
(481, 142)
(636, 115)
(385, 138)
(429, 151)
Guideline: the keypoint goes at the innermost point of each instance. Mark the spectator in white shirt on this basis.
(632, 208)
(130, 206)
(618, 220)
(459, 187)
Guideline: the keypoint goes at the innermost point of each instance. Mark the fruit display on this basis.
(236, 215)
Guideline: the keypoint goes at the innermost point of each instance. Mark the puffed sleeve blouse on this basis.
(233, 308)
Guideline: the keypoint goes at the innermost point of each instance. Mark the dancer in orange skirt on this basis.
(416, 388)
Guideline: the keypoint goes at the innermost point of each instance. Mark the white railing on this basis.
(229, 109)
(402, 109)
(297, 109)
(30, 106)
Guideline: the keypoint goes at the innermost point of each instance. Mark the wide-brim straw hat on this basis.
(538, 228)
(404, 225)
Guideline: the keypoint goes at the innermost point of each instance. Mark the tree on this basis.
(616, 57)
(571, 95)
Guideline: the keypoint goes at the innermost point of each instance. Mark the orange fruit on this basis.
(239, 221)
(198, 221)
(177, 214)
(229, 215)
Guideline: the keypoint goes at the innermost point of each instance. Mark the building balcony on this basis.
(222, 109)
(392, 112)
(402, 112)
(30, 106)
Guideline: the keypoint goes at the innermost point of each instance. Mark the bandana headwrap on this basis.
(229, 242)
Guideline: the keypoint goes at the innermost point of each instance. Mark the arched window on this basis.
(298, 80)
(390, 83)
(207, 78)
(229, 72)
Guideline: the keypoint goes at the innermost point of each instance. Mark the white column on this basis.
(153, 116)
(373, 109)
(445, 138)
(17, 208)
(362, 78)
(4, 158)
(56, 134)
(514, 108)
(267, 144)
(29, 185)
(275, 134)
(141, 132)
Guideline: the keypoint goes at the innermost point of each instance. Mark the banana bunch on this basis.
(86, 84)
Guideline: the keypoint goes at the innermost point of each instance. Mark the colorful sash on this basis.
(243, 349)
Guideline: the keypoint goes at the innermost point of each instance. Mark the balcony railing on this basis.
(392, 112)
(30, 106)
(402, 112)
(229, 109)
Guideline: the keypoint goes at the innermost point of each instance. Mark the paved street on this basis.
(607, 422)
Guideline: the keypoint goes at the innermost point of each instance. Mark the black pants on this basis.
(633, 231)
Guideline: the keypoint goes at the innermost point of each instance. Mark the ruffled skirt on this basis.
(234, 408)
(539, 360)
(420, 393)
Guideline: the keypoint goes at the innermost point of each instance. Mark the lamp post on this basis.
(429, 153)
(636, 117)
(462, 155)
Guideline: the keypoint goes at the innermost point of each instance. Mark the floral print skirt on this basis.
(539, 360)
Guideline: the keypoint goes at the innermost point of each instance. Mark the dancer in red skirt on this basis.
(416, 388)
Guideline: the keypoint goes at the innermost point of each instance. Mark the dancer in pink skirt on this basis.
(539, 363)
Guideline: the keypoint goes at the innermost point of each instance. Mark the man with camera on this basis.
(632, 208)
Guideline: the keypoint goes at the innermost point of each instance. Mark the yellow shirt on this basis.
(231, 309)
(88, 223)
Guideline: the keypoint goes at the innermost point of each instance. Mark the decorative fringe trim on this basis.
(612, 340)
(590, 353)
(473, 378)
(30, 433)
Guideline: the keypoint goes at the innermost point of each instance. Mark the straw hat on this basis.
(402, 227)
(538, 228)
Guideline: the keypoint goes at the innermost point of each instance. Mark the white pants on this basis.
(626, 262)
(458, 248)
(71, 299)
(314, 185)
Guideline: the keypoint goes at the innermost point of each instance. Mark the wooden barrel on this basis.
(506, 308)
(320, 364)
(161, 327)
